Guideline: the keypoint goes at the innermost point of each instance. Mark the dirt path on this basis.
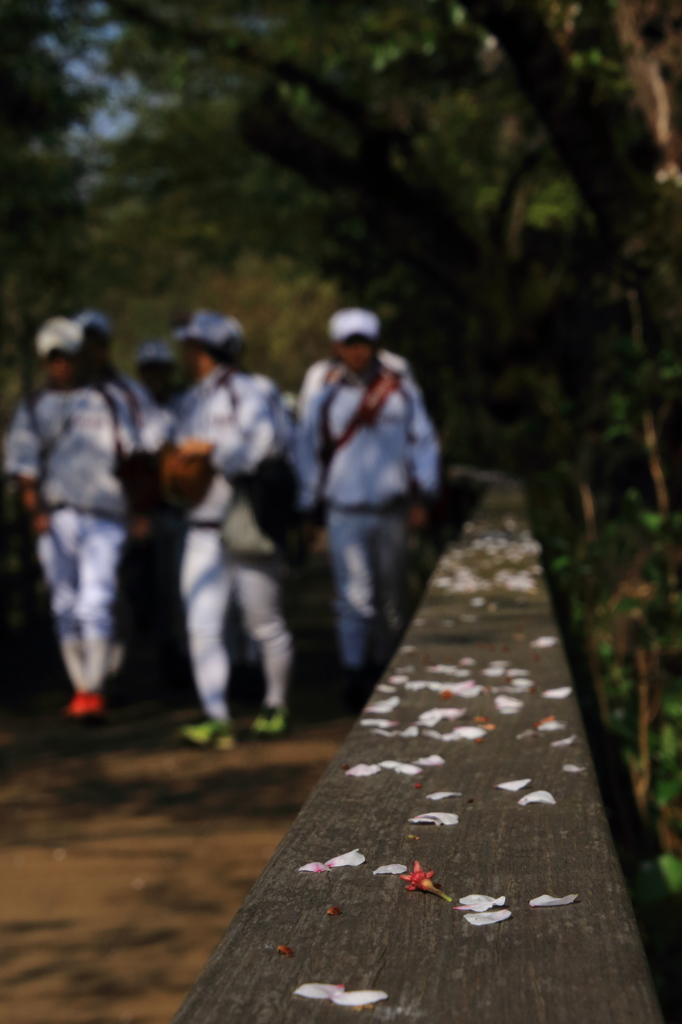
(124, 856)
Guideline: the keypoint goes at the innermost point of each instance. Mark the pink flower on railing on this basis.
(420, 879)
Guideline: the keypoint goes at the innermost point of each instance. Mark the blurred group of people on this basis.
(100, 458)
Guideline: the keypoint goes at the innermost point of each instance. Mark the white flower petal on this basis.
(477, 899)
(553, 901)
(545, 641)
(379, 723)
(540, 796)
(522, 685)
(552, 726)
(527, 734)
(385, 732)
(508, 705)
(514, 672)
(464, 732)
(385, 688)
(432, 761)
(382, 707)
(391, 869)
(560, 693)
(398, 679)
(432, 734)
(573, 768)
(361, 997)
(493, 671)
(441, 794)
(347, 860)
(513, 786)
(314, 990)
(316, 866)
(410, 733)
(435, 818)
(401, 768)
(436, 715)
(361, 771)
(566, 742)
(467, 662)
(491, 917)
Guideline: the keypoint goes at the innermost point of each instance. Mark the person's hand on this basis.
(40, 522)
(139, 527)
(418, 515)
(195, 447)
(309, 531)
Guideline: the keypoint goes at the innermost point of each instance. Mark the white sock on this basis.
(277, 655)
(96, 661)
(72, 657)
(211, 669)
(117, 652)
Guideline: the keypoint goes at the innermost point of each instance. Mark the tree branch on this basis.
(581, 130)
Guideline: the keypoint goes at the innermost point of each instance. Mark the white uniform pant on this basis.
(369, 565)
(208, 578)
(80, 556)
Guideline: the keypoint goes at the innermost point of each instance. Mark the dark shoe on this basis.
(357, 686)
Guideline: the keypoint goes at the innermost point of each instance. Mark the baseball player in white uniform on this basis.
(227, 421)
(367, 449)
(326, 371)
(67, 448)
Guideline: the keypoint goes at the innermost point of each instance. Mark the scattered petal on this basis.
(380, 723)
(467, 662)
(441, 794)
(573, 768)
(522, 685)
(513, 786)
(432, 761)
(566, 742)
(407, 649)
(544, 641)
(285, 951)
(508, 705)
(391, 869)
(553, 901)
(361, 771)
(493, 672)
(401, 768)
(385, 732)
(539, 796)
(313, 990)
(527, 734)
(410, 733)
(435, 818)
(382, 707)
(361, 997)
(398, 679)
(490, 917)
(464, 732)
(315, 866)
(436, 715)
(385, 688)
(346, 860)
(334, 911)
(476, 901)
(560, 693)
(432, 734)
(513, 673)
(550, 726)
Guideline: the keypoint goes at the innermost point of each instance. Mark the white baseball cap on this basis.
(94, 320)
(216, 330)
(347, 322)
(59, 334)
(154, 350)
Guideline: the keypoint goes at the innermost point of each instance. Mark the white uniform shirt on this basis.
(233, 412)
(380, 463)
(71, 441)
(326, 371)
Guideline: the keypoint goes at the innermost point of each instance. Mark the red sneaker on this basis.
(86, 705)
(97, 705)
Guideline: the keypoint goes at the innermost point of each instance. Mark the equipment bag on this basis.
(262, 510)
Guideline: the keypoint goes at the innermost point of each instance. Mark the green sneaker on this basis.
(271, 722)
(210, 734)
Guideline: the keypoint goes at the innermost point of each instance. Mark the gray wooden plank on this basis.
(565, 965)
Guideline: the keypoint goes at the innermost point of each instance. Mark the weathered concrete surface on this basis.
(577, 964)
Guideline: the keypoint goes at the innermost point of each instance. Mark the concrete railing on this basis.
(581, 963)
